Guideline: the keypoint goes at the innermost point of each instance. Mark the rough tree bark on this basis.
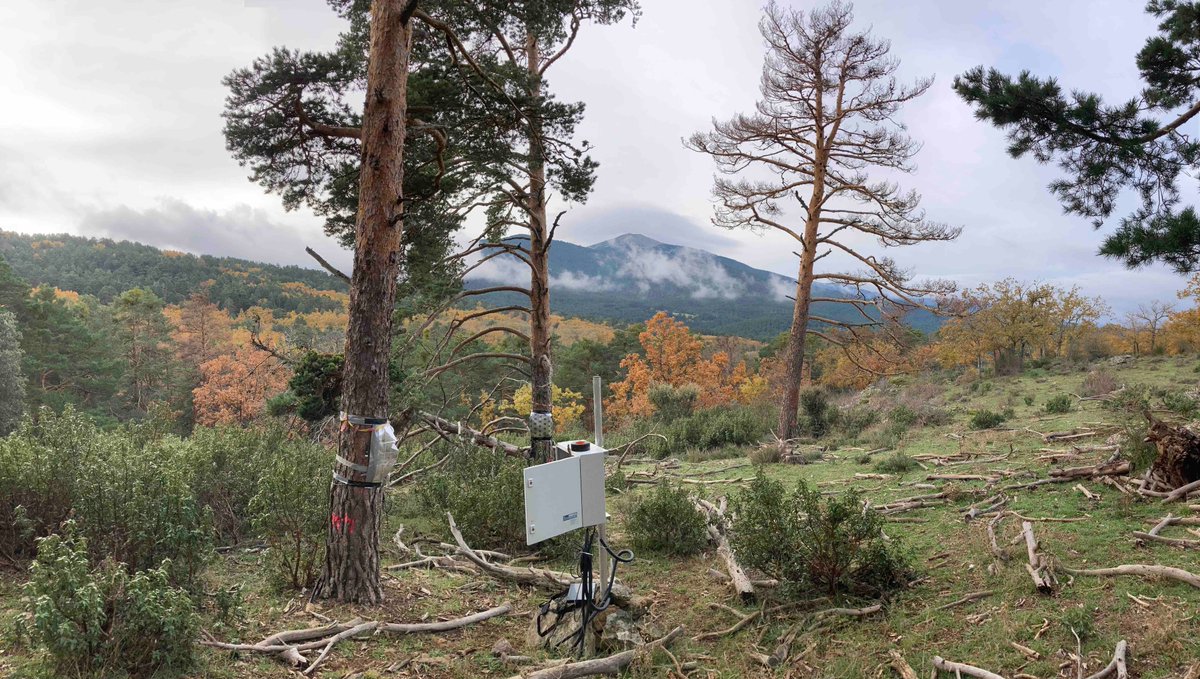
(351, 570)
(542, 367)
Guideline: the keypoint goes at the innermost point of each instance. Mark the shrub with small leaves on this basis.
(1129, 407)
(104, 620)
(808, 541)
(1028, 400)
(485, 493)
(897, 463)
(1180, 403)
(134, 506)
(224, 467)
(291, 509)
(666, 522)
(816, 410)
(986, 419)
(671, 403)
(1062, 403)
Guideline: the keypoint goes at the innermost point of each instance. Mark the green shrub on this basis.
(225, 464)
(672, 403)
(665, 521)
(986, 419)
(1028, 400)
(485, 493)
(902, 417)
(128, 490)
(768, 453)
(1062, 403)
(897, 463)
(849, 424)
(708, 429)
(1180, 403)
(291, 509)
(1129, 407)
(102, 620)
(134, 506)
(39, 468)
(816, 411)
(812, 542)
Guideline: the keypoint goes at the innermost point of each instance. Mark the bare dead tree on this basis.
(1152, 318)
(798, 165)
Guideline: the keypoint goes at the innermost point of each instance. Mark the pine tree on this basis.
(826, 117)
(12, 381)
(1104, 149)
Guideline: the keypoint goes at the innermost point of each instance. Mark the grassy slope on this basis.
(1164, 638)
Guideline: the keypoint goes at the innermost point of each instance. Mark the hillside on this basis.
(105, 268)
(620, 281)
(630, 278)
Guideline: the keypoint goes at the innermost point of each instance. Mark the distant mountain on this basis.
(624, 280)
(631, 277)
(105, 268)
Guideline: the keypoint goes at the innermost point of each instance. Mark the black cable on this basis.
(591, 605)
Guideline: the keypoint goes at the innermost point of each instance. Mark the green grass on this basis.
(1164, 638)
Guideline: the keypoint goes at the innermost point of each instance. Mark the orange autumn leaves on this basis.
(232, 379)
(675, 357)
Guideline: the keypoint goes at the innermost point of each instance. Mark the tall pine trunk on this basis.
(351, 571)
(542, 367)
(793, 359)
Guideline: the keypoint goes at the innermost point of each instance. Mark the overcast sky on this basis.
(110, 126)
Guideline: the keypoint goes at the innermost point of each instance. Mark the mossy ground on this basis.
(950, 554)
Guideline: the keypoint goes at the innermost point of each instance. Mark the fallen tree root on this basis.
(1116, 667)
(612, 664)
(290, 645)
(1142, 570)
(942, 665)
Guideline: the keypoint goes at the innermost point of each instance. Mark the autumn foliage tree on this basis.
(234, 387)
(1008, 321)
(673, 356)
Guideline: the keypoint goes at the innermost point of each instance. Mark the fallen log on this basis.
(1116, 667)
(1115, 468)
(967, 599)
(1038, 566)
(901, 665)
(997, 551)
(717, 527)
(1182, 492)
(290, 645)
(942, 665)
(612, 664)
(724, 578)
(1142, 570)
(976, 510)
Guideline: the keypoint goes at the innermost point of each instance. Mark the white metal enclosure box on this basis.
(566, 494)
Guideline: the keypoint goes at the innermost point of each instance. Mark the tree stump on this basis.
(1178, 460)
